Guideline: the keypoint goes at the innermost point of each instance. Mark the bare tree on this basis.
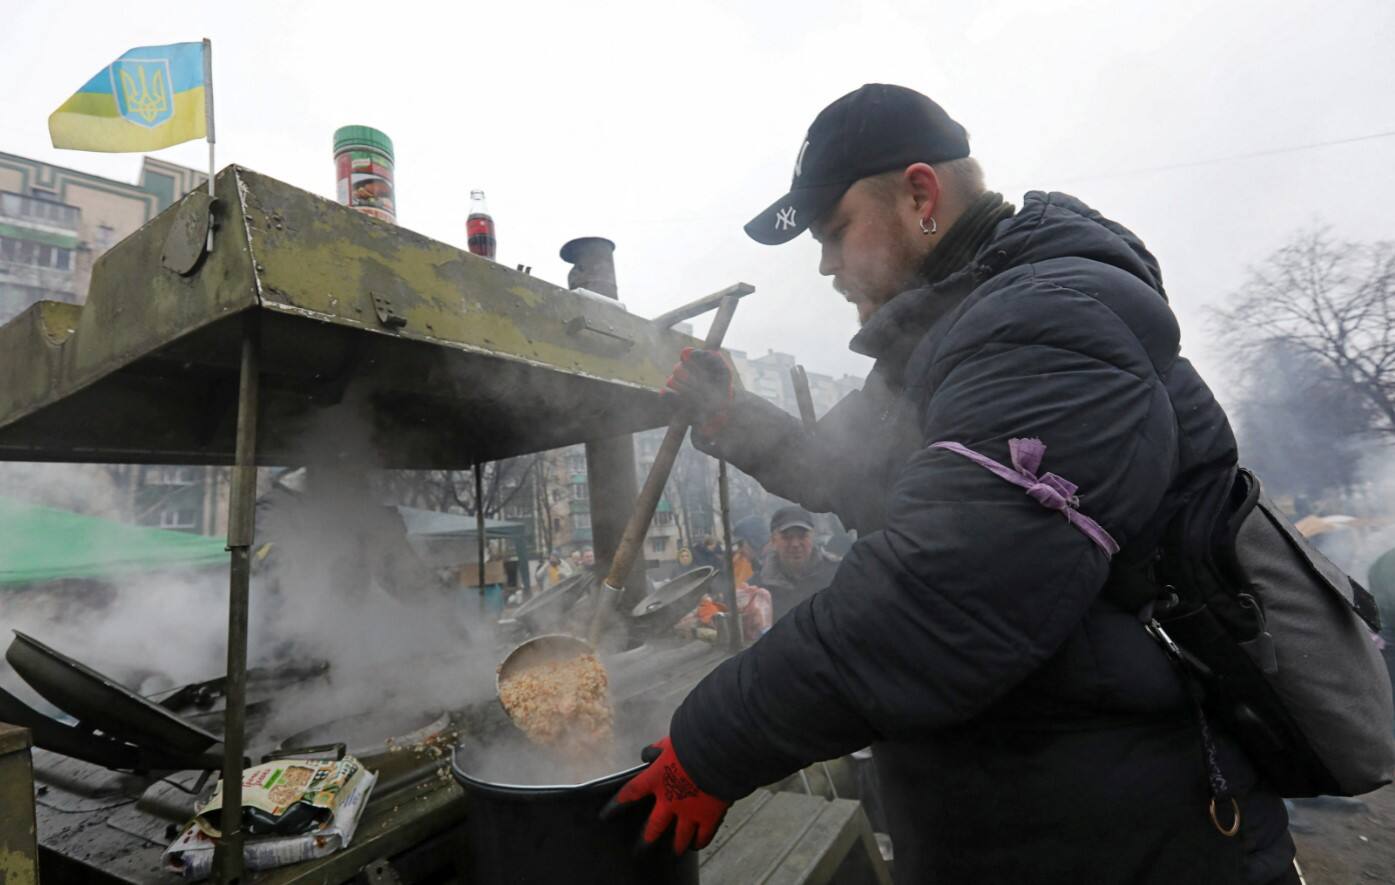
(749, 498)
(454, 490)
(1328, 299)
(691, 489)
(1300, 427)
(542, 504)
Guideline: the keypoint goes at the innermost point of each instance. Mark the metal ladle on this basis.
(557, 646)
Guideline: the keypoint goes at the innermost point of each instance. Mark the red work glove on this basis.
(701, 385)
(676, 799)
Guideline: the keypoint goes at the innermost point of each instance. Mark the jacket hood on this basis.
(1056, 225)
(1049, 225)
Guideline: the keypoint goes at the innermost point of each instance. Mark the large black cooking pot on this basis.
(522, 834)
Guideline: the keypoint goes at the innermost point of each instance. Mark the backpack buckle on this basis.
(1157, 632)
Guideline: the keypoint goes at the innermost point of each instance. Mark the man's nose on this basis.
(828, 260)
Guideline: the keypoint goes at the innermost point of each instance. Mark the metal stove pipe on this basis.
(611, 472)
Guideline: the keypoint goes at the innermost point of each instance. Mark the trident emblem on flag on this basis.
(144, 94)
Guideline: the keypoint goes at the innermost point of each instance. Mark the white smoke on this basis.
(82, 488)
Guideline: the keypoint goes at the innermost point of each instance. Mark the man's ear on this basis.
(924, 185)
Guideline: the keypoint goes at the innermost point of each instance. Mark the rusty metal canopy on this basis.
(443, 357)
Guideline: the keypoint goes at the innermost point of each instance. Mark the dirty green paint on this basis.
(19, 850)
(57, 320)
(524, 294)
(17, 868)
(479, 342)
(133, 306)
(322, 259)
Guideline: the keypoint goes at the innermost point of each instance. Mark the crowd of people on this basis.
(556, 569)
(781, 554)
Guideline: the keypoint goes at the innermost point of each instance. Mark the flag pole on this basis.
(208, 121)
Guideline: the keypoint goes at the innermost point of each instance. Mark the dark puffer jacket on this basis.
(1025, 727)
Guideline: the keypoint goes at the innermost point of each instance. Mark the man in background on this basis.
(796, 567)
(708, 554)
(552, 572)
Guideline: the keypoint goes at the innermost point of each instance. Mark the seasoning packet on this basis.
(293, 810)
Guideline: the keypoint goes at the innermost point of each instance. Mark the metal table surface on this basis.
(447, 357)
(101, 826)
(298, 320)
(97, 825)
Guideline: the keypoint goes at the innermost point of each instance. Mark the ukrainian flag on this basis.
(149, 98)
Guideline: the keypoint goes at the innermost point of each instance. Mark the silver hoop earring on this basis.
(928, 230)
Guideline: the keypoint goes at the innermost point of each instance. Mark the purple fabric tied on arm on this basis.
(1048, 490)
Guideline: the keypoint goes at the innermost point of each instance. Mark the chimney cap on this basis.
(571, 247)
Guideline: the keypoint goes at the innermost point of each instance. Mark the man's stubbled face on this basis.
(794, 546)
(871, 245)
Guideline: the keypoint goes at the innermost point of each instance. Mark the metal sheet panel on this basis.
(443, 357)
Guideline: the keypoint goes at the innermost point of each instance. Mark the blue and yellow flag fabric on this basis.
(149, 98)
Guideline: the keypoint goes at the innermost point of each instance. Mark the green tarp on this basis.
(43, 544)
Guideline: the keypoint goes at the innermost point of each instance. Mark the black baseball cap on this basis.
(868, 131)
(791, 518)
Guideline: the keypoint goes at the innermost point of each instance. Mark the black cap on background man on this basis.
(791, 518)
(871, 130)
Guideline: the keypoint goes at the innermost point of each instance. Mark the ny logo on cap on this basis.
(784, 218)
(799, 160)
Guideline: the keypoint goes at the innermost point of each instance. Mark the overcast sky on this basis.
(665, 126)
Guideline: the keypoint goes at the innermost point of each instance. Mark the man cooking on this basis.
(797, 566)
(1028, 428)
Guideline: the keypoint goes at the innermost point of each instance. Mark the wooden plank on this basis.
(737, 817)
(758, 848)
(822, 847)
(841, 831)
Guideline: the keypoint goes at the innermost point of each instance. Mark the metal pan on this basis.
(208, 694)
(54, 736)
(547, 610)
(102, 703)
(50, 734)
(540, 650)
(671, 600)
